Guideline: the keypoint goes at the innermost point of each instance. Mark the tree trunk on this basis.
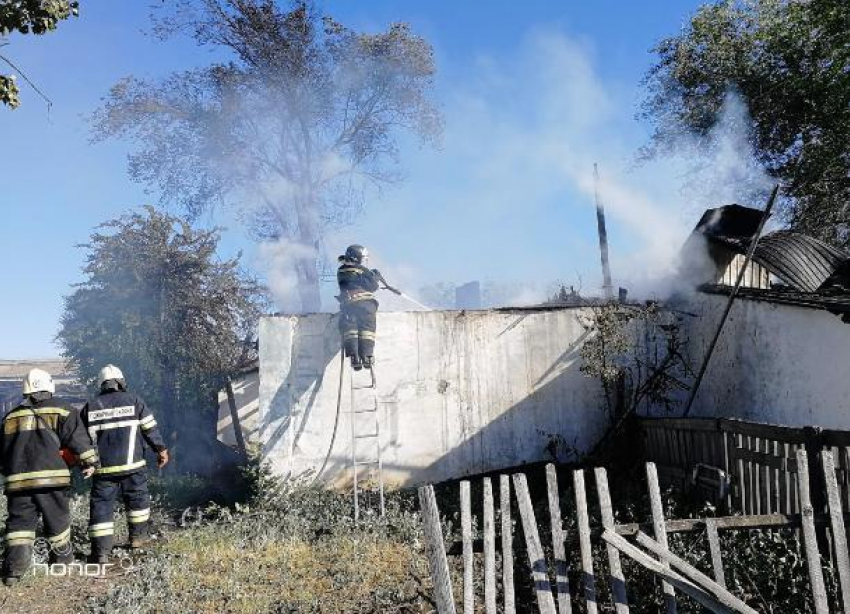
(308, 286)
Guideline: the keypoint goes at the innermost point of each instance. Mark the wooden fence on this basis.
(651, 553)
(757, 460)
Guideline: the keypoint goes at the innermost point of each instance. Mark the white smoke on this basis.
(523, 133)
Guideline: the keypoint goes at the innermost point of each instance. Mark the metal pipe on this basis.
(731, 300)
(607, 288)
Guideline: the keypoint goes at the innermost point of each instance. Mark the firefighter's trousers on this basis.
(358, 323)
(137, 503)
(24, 508)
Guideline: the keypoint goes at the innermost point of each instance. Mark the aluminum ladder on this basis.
(366, 461)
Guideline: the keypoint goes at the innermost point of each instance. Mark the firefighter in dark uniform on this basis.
(359, 307)
(120, 424)
(34, 437)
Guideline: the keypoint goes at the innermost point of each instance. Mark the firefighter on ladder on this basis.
(359, 307)
(120, 424)
(36, 438)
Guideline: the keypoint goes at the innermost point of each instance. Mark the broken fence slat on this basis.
(466, 534)
(436, 552)
(809, 535)
(584, 541)
(489, 549)
(618, 581)
(536, 558)
(694, 575)
(660, 530)
(714, 549)
(507, 543)
(664, 572)
(839, 533)
(562, 583)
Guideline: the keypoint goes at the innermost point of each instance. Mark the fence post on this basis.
(466, 535)
(807, 515)
(813, 443)
(437, 563)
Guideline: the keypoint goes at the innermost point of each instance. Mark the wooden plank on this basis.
(584, 541)
(694, 575)
(660, 530)
(742, 478)
(489, 549)
(618, 580)
(466, 535)
(507, 544)
(714, 550)
(562, 582)
(536, 560)
(839, 534)
(435, 550)
(667, 575)
(809, 536)
(784, 506)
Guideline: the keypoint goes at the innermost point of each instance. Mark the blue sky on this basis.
(533, 92)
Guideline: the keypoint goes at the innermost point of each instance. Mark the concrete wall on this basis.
(459, 392)
(774, 363)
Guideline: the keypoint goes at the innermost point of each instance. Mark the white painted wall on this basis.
(774, 363)
(460, 392)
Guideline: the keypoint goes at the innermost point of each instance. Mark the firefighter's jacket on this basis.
(356, 283)
(120, 424)
(33, 436)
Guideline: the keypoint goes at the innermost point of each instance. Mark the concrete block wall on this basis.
(460, 393)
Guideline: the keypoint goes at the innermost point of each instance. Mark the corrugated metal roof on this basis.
(801, 261)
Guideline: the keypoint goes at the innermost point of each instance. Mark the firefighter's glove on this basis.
(162, 458)
(87, 472)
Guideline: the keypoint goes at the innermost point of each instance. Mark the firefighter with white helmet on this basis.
(121, 425)
(33, 438)
(359, 307)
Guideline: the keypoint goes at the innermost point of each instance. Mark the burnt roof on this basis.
(733, 225)
(805, 263)
(801, 261)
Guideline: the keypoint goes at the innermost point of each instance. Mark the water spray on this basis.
(398, 292)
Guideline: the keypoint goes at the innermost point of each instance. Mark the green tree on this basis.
(302, 118)
(790, 63)
(178, 321)
(29, 16)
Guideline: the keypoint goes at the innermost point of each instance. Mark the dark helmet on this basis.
(356, 253)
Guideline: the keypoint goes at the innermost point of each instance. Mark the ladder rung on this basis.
(371, 410)
(370, 387)
(371, 435)
(374, 462)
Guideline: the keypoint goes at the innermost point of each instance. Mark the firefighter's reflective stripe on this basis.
(349, 269)
(101, 529)
(366, 334)
(19, 538)
(94, 428)
(89, 455)
(361, 296)
(61, 539)
(350, 334)
(137, 516)
(147, 423)
(41, 411)
(119, 468)
(37, 475)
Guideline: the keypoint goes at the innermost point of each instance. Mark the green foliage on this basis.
(789, 62)
(638, 354)
(29, 16)
(178, 321)
(291, 130)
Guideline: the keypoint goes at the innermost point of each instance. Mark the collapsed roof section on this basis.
(802, 263)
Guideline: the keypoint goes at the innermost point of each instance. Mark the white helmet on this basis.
(38, 380)
(109, 372)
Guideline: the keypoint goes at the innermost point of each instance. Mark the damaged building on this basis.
(473, 391)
